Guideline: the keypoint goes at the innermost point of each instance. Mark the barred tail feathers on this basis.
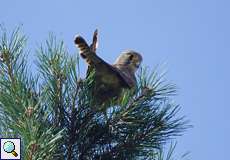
(84, 48)
(86, 52)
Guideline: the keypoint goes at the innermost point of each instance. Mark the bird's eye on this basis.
(130, 57)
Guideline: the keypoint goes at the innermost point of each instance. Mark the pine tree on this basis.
(53, 113)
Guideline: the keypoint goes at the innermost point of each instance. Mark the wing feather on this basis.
(95, 62)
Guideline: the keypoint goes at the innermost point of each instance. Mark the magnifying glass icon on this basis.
(9, 147)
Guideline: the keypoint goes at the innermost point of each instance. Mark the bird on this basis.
(110, 79)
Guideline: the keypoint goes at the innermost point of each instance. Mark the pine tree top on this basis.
(54, 114)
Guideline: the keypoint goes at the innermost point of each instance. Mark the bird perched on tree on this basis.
(110, 80)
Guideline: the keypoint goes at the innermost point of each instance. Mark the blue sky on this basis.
(192, 36)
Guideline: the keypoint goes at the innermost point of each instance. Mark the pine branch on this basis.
(56, 112)
(20, 104)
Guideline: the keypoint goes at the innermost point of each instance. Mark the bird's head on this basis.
(129, 58)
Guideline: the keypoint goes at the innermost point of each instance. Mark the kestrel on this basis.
(110, 80)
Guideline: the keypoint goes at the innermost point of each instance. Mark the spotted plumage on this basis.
(110, 80)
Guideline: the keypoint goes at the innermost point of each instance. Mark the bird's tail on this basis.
(84, 48)
(88, 52)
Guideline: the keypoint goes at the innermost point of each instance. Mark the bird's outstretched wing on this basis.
(106, 73)
(94, 44)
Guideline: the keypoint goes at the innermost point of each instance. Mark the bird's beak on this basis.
(137, 65)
